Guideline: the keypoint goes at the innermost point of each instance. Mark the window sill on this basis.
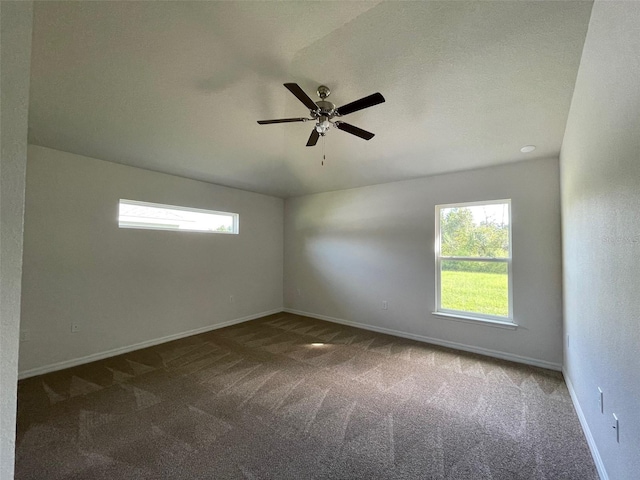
(468, 319)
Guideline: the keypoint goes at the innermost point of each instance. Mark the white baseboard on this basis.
(137, 346)
(443, 343)
(585, 428)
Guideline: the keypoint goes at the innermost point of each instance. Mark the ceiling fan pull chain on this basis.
(323, 155)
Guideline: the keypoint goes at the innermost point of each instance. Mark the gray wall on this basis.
(15, 54)
(600, 165)
(347, 251)
(127, 286)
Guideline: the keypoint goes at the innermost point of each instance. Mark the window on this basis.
(473, 261)
(155, 216)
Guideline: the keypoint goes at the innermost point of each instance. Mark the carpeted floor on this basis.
(259, 401)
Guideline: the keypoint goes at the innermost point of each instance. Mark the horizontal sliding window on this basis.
(473, 260)
(155, 216)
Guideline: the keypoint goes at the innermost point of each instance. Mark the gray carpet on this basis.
(259, 401)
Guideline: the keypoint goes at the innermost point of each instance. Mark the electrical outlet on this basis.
(75, 328)
(25, 335)
(385, 305)
(616, 427)
(600, 400)
(568, 343)
(230, 298)
(298, 291)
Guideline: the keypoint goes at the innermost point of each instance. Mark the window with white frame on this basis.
(155, 216)
(473, 260)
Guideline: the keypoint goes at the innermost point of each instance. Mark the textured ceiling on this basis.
(177, 87)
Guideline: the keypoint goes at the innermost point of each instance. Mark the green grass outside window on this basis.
(475, 292)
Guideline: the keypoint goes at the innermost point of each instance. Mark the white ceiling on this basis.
(177, 87)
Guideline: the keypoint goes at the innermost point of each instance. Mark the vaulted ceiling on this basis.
(177, 87)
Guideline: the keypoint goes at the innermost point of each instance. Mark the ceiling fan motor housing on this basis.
(326, 108)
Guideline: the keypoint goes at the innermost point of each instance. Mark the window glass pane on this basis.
(475, 231)
(166, 217)
(475, 287)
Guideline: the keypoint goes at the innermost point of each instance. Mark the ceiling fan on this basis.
(323, 112)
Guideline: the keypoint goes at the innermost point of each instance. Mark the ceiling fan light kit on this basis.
(323, 113)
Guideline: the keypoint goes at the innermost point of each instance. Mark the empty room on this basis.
(316, 239)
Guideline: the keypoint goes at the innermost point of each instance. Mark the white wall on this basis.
(346, 251)
(600, 166)
(15, 54)
(126, 286)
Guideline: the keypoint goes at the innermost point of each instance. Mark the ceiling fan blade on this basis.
(358, 132)
(300, 95)
(313, 138)
(366, 102)
(282, 120)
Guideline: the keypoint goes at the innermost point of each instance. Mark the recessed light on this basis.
(528, 148)
(317, 344)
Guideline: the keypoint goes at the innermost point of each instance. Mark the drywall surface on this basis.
(347, 251)
(128, 286)
(600, 165)
(153, 82)
(15, 53)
